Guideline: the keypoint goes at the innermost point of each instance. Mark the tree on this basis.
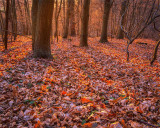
(65, 35)
(107, 8)
(14, 19)
(57, 12)
(34, 20)
(84, 24)
(43, 29)
(155, 53)
(149, 19)
(27, 17)
(72, 25)
(123, 9)
(6, 25)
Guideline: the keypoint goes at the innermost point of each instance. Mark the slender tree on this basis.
(14, 19)
(72, 26)
(65, 35)
(6, 25)
(123, 9)
(107, 8)
(84, 25)
(57, 13)
(27, 17)
(155, 53)
(43, 29)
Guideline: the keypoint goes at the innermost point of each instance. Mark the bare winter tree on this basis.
(149, 19)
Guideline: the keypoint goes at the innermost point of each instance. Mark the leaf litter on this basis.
(81, 87)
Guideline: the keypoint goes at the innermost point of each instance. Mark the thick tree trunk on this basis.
(65, 35)
(6, 25)
(123, 9)
(84, 26)
(34, 20)
(107, 7)
(72, 26)
(43, 29)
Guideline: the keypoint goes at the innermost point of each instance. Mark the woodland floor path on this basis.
(80, 87)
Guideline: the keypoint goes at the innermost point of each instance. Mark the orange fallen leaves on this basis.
(37, 124)
(64, 93)
(138, 109)
(123, 123)
(87, 125)
(84, 100)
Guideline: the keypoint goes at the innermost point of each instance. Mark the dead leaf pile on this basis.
(81, 87)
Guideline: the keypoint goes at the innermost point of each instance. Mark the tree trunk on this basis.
(123, 9)
(43, 29)
(21, 14)
(84, 26)
(57, 17)
(155, 53)
(64, 13)
(56, 20)
(107, 7)
(28, 17)
(72, 26)
(14, 19)
(65, 35)
(6, 25)
(34, 20)
(2, 26)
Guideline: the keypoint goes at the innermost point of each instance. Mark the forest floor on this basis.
(81, 87)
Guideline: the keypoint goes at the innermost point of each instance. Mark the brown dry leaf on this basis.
(135, 124)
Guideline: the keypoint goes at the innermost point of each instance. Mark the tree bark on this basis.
(155, 53)
(34, 20)
(43, 29)
(14, 19)
(6, 25)
(72, 26)
(57, 13)
(107, 7)
(65, 35)
(84, 26)
(27, 17)
(123, 9)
